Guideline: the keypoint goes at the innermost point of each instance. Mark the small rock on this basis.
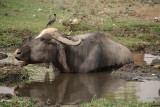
(114, 25)
(34, 15)
(156, 19)
(5, 14)
(3, 56)
(8, 96)
(60, 21)
(155, 63)
(17, 10)
(153, 74)
(75, 21)
(39, 9)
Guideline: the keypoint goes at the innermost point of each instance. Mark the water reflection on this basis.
(147, 91)
(71, 88)
(6, 90)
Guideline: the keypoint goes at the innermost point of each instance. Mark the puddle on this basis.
(10, 59)
(6, 90)
(147, 91)
(77, 88)
(39, 72)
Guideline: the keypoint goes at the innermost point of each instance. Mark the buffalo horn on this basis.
(62, 39)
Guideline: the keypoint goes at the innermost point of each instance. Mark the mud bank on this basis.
(134, 72)
(141, 69)
(10, 74)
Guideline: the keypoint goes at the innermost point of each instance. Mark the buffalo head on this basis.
(44, 48)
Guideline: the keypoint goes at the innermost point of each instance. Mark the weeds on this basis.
(18, 102)
(7, 40)
(101, 102)
(13, 75)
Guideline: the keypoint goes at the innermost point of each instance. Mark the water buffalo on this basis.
(81, 53)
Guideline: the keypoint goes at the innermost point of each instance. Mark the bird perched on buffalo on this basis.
(51, 21)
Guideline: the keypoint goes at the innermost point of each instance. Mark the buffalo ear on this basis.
(62, 57)
(46, 37)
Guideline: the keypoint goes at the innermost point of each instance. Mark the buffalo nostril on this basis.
(18, 52)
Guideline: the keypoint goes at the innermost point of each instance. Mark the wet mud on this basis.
(10, 73)
(134, 72)
(143, 68)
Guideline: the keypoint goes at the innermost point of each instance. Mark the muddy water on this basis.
(78, 88)
(9, 59)
(6, 90)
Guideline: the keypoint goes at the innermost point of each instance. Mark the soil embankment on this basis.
(134, 72)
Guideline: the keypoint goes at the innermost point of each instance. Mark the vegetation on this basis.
(11, 74)
(18, 102)
(124, 23)
(104, 103)
(7, 40)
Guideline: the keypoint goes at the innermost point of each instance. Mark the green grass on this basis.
(24, 15)
(104, 103)
(12, 76)
(7, 40)
(33, 15)
(32, 102)
(18, 102)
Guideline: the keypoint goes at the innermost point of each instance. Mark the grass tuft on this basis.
(101, 102)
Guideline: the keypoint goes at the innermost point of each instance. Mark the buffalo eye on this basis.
(42, 39)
